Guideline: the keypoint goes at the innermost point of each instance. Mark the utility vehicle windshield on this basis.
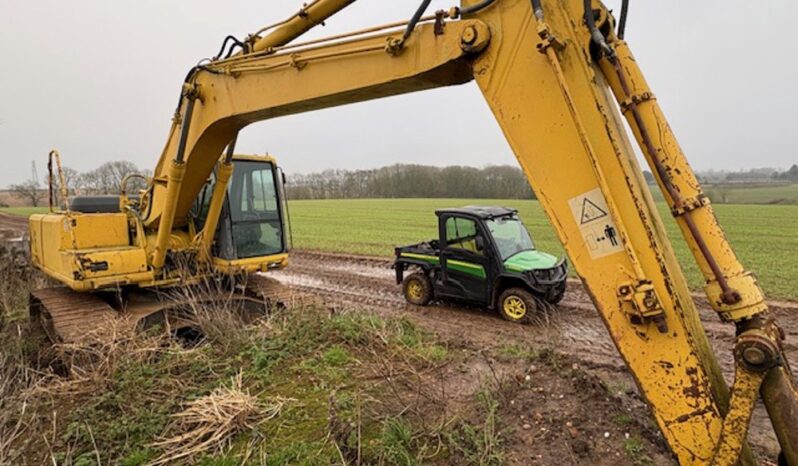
(510, 236)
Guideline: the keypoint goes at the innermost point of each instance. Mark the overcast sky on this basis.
(98, 80)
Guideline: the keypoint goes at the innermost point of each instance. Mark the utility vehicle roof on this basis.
(483, 212)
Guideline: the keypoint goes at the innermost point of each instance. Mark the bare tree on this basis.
(106, 178)
(28, 190)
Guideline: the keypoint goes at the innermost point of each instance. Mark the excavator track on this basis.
(278, 295)
(67, 316)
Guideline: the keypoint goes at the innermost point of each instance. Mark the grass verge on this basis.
(24, 211)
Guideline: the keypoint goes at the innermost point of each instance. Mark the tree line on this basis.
(788, 175)
(104, 179)
(395, 181)
(412, 181)
(750, 176)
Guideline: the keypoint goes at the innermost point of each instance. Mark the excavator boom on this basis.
(555, 76)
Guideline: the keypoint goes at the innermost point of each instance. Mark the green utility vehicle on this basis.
(484, 256)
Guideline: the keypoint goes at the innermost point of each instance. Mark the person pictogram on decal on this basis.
(609, 232)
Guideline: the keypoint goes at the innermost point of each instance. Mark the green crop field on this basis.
(753, 194)
(24, 211)
(764, 236)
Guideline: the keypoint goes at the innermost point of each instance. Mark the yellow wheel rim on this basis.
(415, 290)
(514, 307)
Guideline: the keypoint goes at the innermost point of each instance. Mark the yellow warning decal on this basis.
(596, 224)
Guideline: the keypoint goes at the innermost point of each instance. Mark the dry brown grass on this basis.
(92, 365)
(17, 278)
(17, 377)
(216, 310)
(91, 361)
(208, 424)
(14, 415)
(36, 398)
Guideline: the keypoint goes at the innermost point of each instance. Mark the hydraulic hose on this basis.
(231, 150)
(729, 295)
(182, 142)
(622, 21)
(416, 18)
(236, 43)
(537, 9)
(596, 35)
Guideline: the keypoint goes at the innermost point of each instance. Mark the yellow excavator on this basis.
(100, 249)
(560, 80)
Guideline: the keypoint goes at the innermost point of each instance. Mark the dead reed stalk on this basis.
(209, 423)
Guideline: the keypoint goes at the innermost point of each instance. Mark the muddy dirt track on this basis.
(573, 328)
(12, 227)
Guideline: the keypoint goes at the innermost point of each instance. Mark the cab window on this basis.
(254, 210)
(462, 233)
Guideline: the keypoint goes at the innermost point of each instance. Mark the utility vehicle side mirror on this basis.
(480, 243)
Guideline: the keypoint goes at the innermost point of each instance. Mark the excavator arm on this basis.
(555, 75)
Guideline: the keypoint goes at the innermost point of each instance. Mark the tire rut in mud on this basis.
(370, 282)
(574, 324)
(11, 227)
(574, 327)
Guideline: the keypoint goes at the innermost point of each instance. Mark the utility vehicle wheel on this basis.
(417, 289)
(517, 305)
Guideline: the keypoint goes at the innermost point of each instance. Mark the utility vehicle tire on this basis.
(517, 305)
(556, 295)
(417, 289)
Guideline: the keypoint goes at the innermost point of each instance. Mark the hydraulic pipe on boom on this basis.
(175, 174)
(307, 18)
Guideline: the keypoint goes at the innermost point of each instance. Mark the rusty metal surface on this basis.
(780, 395)
(736, 422)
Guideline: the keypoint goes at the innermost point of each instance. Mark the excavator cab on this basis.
(252, 233)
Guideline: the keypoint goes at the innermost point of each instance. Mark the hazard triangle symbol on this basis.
(590, 211)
